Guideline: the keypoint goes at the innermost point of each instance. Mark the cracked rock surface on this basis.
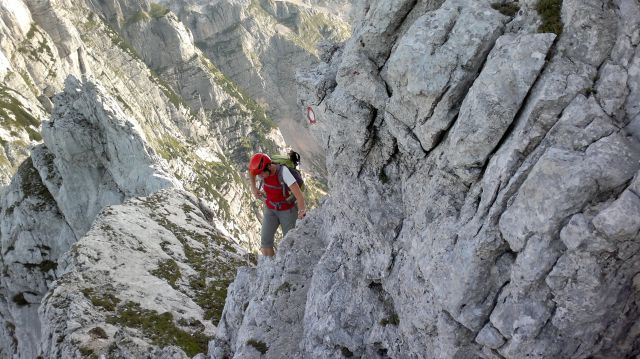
(484, 184)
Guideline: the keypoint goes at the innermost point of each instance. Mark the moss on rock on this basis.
(159, 328)
(550, 13)
(168, 270)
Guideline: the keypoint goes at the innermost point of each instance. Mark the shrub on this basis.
(509, 9)
(550, 13)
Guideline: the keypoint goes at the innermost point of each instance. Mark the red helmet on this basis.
(259, 163)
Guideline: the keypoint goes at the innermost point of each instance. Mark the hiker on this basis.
(280, 208)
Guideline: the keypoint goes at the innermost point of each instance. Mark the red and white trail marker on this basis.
(311, 115)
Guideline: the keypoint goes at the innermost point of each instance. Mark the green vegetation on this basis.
(214, 271)
(98, 333)
(550, 13)
(168, 270)
(191, 323)
(284, 287)
(115, 38)
(315, 27)
(107, 300)
(211, 178)
(137, 17)
(87, 353)
(173, 97)
(264, 122)
(27, 79)
(4, 161)
(307, 29)
(32, 52)
(157, 10)
(315, 190)
(260, 346)
(392, 320)
(14, 116)
(32, 186)
(159, 327)
(508, 9)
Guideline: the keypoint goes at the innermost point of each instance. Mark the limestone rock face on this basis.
(100, 157)
(259, 44)
(94, 157)
(148, 280)
(190, 114)
(483, 181)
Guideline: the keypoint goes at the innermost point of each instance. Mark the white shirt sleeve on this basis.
(287, 177)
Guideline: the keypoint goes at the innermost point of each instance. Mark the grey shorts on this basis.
(272, 219)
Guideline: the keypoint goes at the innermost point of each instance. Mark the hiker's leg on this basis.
(288, 219)
(270, 224)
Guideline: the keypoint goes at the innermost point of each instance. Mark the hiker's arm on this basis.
(297, 193)
(254, 189)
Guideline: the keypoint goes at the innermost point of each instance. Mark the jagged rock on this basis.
(34, 236)
(186, 98)
(129, 132)
(99, 155)
(242, 326)
(259, 44)
(498, 223)
(94, 156)
(147, 281)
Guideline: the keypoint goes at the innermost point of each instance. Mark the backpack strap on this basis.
(285, 189)
(281, 180)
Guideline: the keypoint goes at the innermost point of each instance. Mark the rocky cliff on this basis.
(483, 162)
(160, 252)
(190, 113)
(128, 132)
(260, 44)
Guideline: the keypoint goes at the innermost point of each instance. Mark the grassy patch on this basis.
(36, 52)
(107, 301)
(14, 116)
(391, 320)
(168, 270)
(261, 123)
(215, 269)
(173, 97)
(307, 29)
(157, 10)
(120, 42)
(212, 179)
(98, 332)
(284, 287)
(232, 89)
(550, 13)
(160, 328)
(87, 352)
(260, 346)
(508, 9)
(32, 187)
(139, 16)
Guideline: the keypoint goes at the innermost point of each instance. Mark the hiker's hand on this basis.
(258, 194)
(301, 213)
